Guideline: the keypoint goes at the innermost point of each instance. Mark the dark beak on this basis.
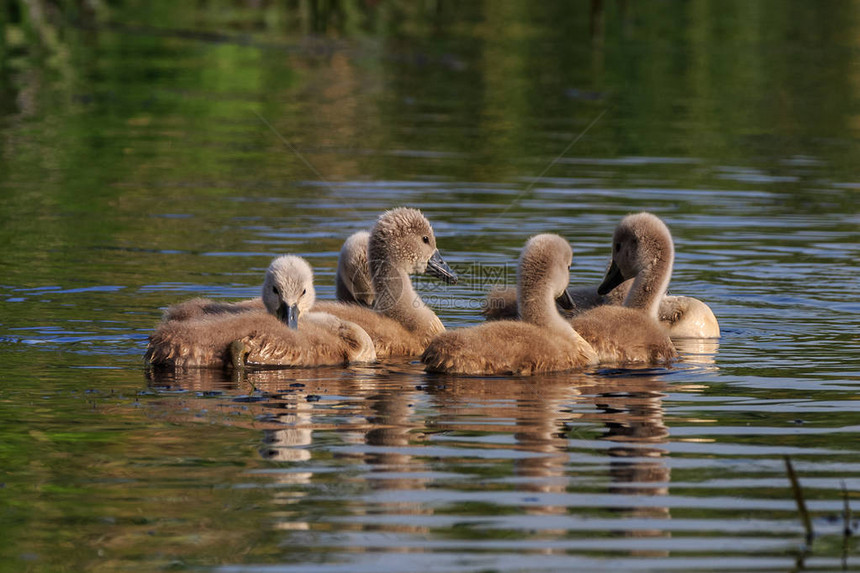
(289, 315)
(440, 269)
(564, 301)
(612, 279)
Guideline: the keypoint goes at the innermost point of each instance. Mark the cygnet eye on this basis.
(617, 246)
(426, 239)
(275, 289)
(304, 291)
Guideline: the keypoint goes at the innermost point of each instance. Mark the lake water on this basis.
(150, 153)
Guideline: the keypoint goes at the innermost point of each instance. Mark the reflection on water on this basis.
(136, 172)
(636, 467)
(399, 458)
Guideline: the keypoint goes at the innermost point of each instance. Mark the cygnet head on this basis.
(288, 290)
(641, 242)
(404, 238)
(544, 263)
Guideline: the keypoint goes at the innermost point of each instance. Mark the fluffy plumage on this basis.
(401, 243)
(542, 342)
(262, 336)
(352, 285)
(352, 281)
(641, 249)
(683, 316)
(200, 307)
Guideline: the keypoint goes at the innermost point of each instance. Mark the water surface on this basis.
(157, 153)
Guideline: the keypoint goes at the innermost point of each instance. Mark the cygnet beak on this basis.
(612, 279)
(565, 301)
(289, 315)
(440, 269)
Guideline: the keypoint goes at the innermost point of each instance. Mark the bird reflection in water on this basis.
(631, 409)
(383, 418)
(375, 426)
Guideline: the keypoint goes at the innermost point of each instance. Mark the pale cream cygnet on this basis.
(352, 285)
(284, 333)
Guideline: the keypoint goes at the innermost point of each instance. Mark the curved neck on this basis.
(650, 285)
(396, 299)
(537, 306)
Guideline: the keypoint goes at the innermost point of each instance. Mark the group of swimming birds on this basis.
(543, 325)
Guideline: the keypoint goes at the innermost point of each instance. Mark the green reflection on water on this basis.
(130, 146)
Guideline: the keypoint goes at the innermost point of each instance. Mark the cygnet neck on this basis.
(652, 282)
(536, 303)
(397, 299)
